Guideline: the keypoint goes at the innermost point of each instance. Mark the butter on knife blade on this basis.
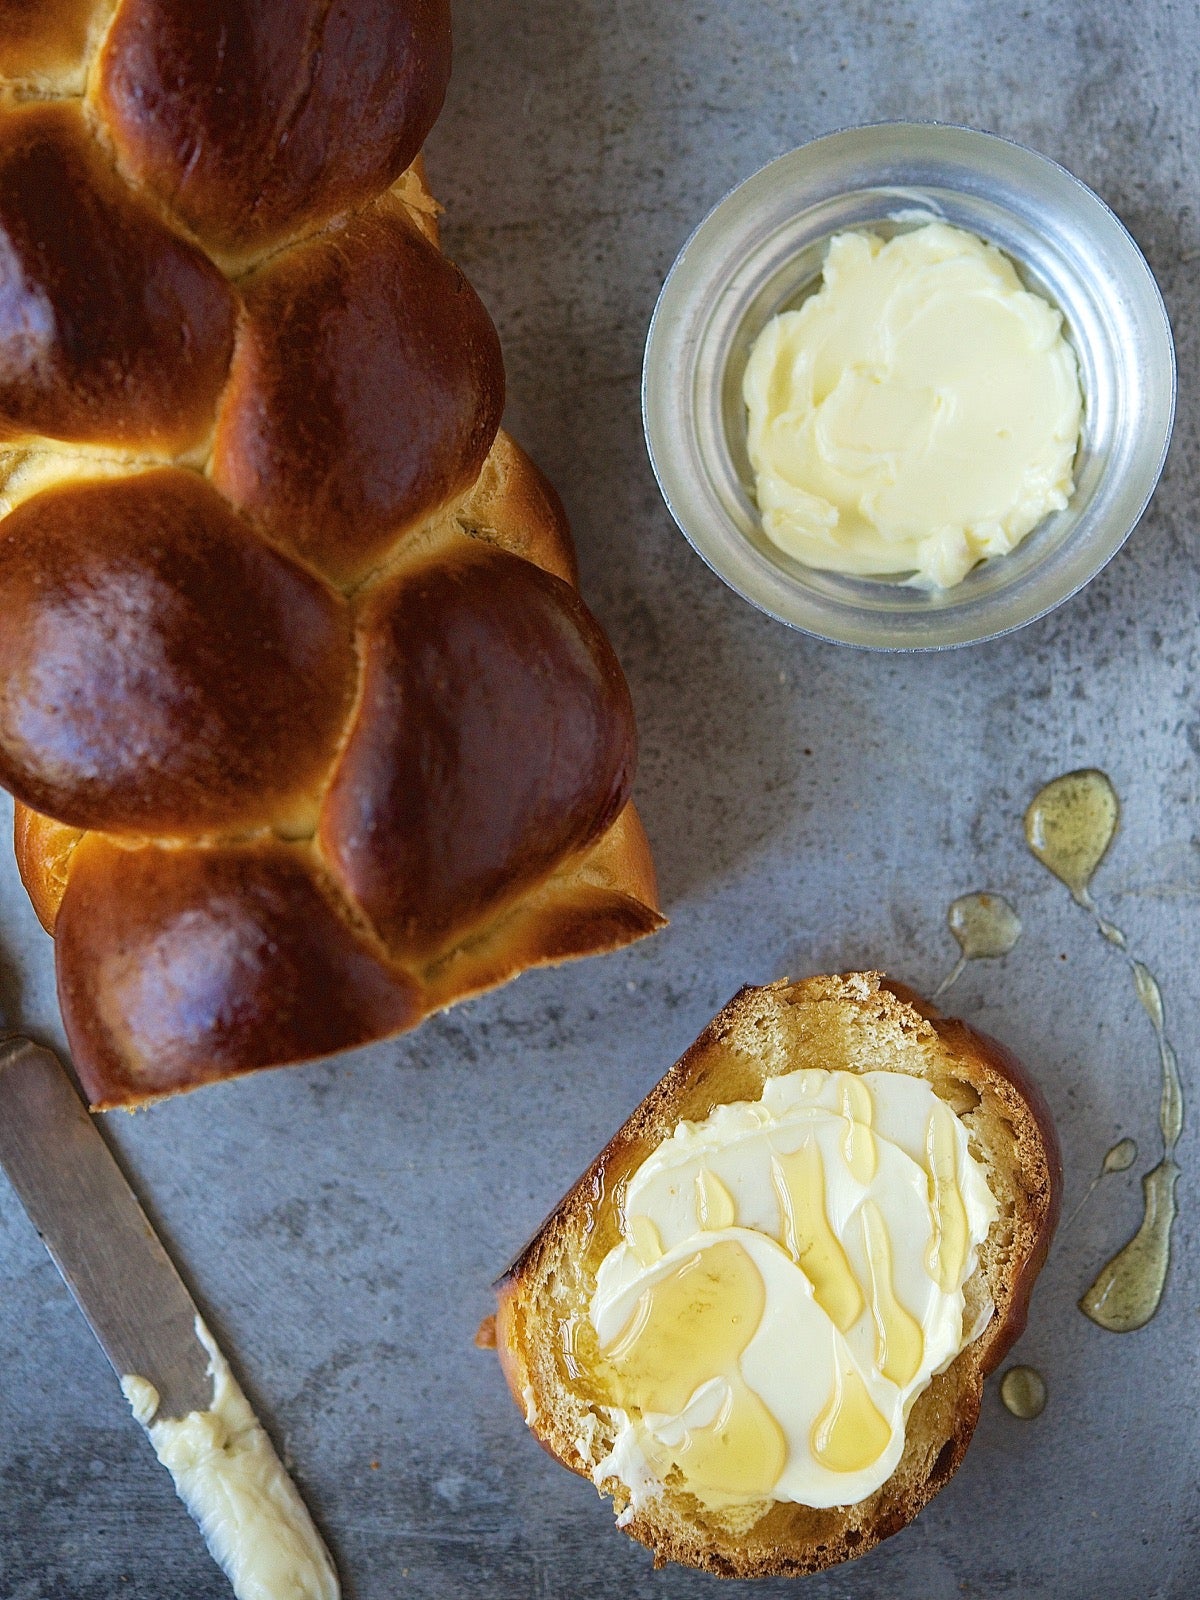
(178, 1383)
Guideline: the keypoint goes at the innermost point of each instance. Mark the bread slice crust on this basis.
(857, 1022)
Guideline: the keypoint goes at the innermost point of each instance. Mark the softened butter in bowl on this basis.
(761, 252)
(918, 414)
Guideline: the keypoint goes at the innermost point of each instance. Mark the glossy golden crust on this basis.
(365, 393)
(162, 671)
(857, 1022)
(514, 505)
(295, 691)
(43, 849)
(493, 739)
(178, 967)
(255, 120)
(43, 43)
(113, 330)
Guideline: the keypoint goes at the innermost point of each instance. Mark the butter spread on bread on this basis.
(309, 731)
(762, 1319)
(789, 1278)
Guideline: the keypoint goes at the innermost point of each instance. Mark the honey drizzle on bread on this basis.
(309, 732)
(857, 1022)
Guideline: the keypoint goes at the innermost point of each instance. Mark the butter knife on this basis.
(224, 1467)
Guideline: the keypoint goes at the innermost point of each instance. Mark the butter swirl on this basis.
(918, 414)
(790, 1277)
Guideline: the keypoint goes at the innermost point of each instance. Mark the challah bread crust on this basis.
(180, 967)
(514, 506)
(293, 625)
(255, 123)
(45, 44)
(132, 325)
(857, 1022)
(43, 849)
(365, 392)
(546, 697)
(170, 688)
(604, 900)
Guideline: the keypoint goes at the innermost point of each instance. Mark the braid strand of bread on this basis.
(309, 731)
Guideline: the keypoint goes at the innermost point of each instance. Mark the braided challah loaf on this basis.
(309, 731)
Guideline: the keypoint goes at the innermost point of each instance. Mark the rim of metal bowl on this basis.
(738, 257)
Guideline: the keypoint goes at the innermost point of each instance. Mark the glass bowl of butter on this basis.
(908, 387)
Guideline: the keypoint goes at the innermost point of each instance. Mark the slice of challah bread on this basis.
(857, 1023)
(309, 731)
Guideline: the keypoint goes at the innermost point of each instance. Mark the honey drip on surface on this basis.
(799, 1180)
(985, 926)
(858, 1142)
(1128, 1289)
(1069, 827)
(1119, 1158)
(947, 1254)
(1023, 1392)
(686, 1330)
(850, 1434)
(900, 1343)
(1170, 1106)
(714, 1203)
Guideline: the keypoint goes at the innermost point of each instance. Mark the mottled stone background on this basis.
(811, 808)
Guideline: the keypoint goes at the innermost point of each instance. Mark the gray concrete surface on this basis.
(811, 808)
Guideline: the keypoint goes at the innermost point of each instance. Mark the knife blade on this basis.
(97, 1234)
(178, 1383)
